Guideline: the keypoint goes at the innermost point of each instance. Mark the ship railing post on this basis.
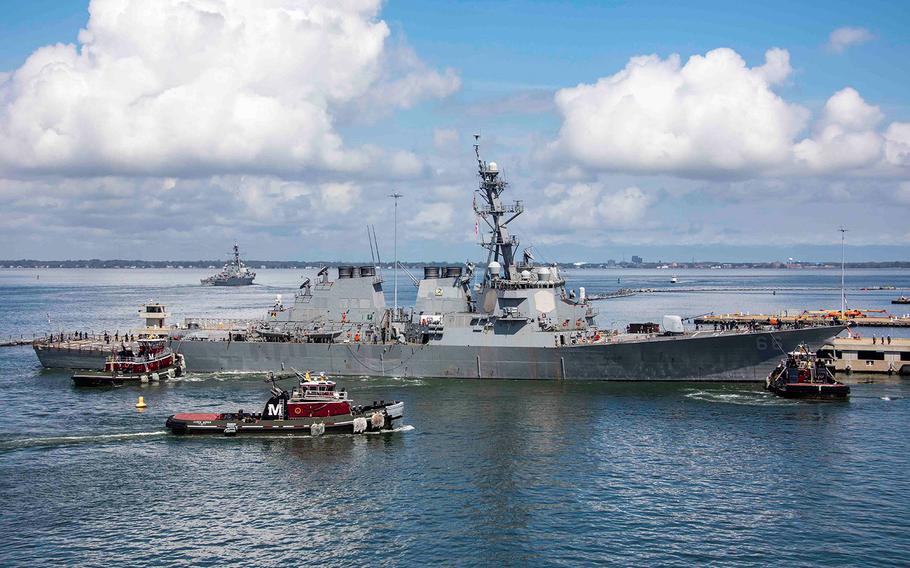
(478, 368)
(562, 364)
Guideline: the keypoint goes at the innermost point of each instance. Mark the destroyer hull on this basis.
(729, 357)
(52, 357)
(726, 357)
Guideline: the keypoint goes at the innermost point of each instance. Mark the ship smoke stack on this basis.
(345, 272)
(453, 271)
(430, 272)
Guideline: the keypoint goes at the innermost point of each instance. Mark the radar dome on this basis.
(492, 167)
(525, 275)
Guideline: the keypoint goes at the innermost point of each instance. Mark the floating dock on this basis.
(855, 354)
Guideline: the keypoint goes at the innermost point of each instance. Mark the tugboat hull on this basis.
(115, 380)
(101, 380)
(812, 391)
(369, 419)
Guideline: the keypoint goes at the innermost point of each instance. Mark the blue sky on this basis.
(507, 45)
(446, 70)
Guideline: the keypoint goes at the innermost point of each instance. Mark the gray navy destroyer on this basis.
(234, 273)
(511, 318)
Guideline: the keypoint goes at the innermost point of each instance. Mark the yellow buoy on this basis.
(141, 402)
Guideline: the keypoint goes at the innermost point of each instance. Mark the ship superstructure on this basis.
(517, 303)
(353, 302)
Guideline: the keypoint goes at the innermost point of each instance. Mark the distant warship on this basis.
(234, 273)
(517, 322)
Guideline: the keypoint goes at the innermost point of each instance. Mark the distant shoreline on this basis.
(298, 265)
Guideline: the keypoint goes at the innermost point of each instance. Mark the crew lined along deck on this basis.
(805, 318)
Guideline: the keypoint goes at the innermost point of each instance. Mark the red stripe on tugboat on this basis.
(197, 417)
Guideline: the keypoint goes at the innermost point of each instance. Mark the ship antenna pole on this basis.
(376, 242)
(843, 257)
(396, 196)
(370, 238)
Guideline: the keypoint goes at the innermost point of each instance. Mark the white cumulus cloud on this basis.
(585, 205)
(713, 114)
(430, 215)
(195, 87)
(339, 197)
(444, 137)
(715, 117)
(897, 144)
(845, 136)
(842, 38)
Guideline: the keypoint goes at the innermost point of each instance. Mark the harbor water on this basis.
(481, 472)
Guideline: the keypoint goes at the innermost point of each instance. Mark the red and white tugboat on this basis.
(151, 361)
(314, 407)
(802, 375)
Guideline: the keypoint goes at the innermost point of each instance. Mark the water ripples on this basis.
(481, 472)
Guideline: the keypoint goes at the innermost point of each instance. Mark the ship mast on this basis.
(843, 257)
(501, 245)
(236, 255)
(396, 196)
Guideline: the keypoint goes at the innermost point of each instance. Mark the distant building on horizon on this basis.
(636, 259)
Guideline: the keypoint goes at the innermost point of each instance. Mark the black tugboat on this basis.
(802, 375)
(314, 407)
(152, 361)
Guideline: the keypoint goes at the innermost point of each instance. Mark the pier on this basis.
(13, 341)
(804, 318)
(890, 355)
